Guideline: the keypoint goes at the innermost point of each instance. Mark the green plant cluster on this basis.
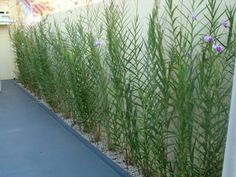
(163, 99)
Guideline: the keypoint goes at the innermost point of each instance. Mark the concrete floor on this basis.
(36, 143)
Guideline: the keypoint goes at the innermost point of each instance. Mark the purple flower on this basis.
(98, 43)
(208, 38)
(218, 48)
(224, 23)
(194, 16)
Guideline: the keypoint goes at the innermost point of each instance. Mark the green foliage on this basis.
(162, 99)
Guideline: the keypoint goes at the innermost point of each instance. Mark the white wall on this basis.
(6, 55)
(7, 63)
(7, 60)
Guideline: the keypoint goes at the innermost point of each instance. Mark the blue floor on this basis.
(36, 143)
